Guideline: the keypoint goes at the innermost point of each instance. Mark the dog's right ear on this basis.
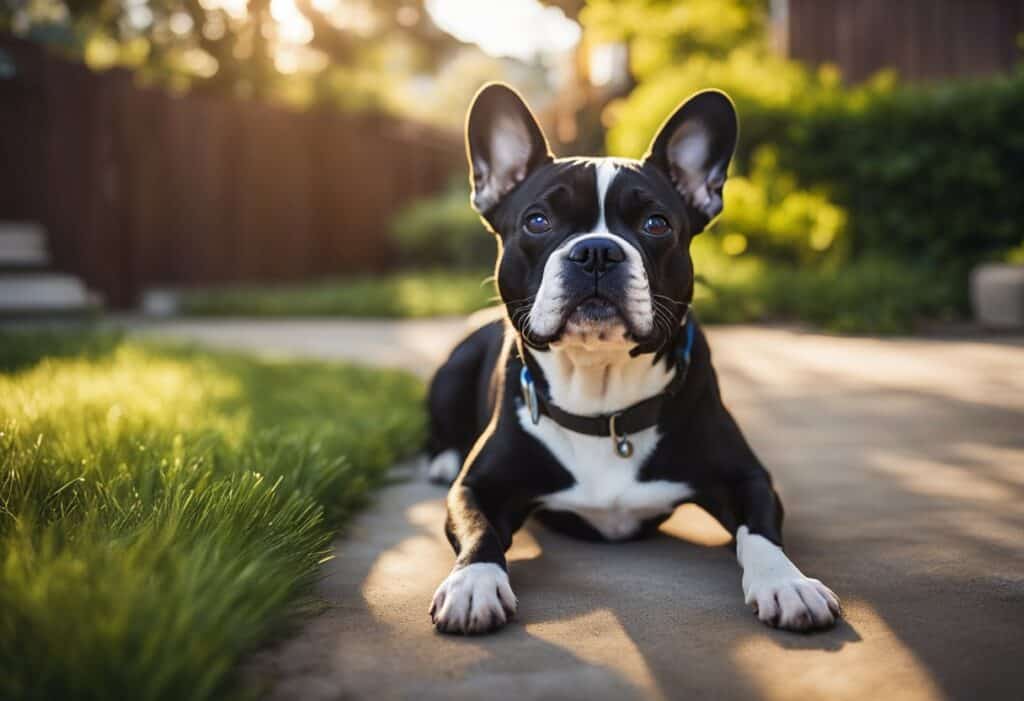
(503, 144)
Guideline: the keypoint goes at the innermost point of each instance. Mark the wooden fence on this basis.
(921, 39)
(141, 188)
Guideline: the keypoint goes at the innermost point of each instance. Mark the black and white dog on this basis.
(594, 405)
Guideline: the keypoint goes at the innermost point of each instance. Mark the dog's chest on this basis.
(606, 491)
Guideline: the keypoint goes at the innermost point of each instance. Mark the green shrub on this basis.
(765, 87)
(868, 295)
(443, 230)
(767, 215)
(928, 174)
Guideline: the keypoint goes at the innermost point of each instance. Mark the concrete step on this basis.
(34, 293)
(23, 245)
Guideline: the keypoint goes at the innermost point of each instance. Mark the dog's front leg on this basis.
(778, 591)
(476, 597)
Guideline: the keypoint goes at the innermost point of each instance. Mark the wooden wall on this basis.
(140, 188)
(921, 39)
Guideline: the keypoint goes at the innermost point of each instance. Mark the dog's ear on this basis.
(694, 147)
(503, 143)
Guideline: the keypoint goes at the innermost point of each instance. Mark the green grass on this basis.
(162, 510)
(397, 295)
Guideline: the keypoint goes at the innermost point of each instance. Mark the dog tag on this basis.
(623, 448)
(529, 394)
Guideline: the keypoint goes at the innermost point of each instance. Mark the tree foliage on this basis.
(299, 50)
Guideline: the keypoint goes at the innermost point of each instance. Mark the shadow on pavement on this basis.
(903, 487)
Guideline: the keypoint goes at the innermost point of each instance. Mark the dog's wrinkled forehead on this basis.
(510, 162)
(589, 195)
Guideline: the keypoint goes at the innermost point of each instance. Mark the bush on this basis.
(880, 185)
(443, 230)
(767, 215)
(869, 295)
(927, 174)
(765, 87)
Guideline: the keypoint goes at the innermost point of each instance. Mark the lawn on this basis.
(396, 295)
(163, 510)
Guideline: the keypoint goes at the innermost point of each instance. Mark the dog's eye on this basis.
(537, 224)
(656, 225)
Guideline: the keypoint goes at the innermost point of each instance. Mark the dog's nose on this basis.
(597, 255)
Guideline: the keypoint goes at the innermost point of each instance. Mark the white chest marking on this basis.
(606, 492)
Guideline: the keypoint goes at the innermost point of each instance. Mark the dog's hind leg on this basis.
(454, 403)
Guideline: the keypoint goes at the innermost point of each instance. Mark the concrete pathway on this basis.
(901, 465)
(415, 344)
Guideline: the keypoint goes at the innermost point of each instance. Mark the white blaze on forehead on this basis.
(606, 171)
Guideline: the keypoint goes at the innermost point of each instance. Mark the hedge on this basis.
(931, 175)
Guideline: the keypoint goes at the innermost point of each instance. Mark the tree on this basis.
(301, 50)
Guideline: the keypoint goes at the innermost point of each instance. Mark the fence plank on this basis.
(921, 39)
(140, 188)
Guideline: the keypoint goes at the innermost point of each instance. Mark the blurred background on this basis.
(172, 479)
(282, 157)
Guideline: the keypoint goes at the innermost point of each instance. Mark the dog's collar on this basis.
(620, 425)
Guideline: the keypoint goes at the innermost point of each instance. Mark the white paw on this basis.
(778, 592)
(444, 468)
(473, 599)
(800, 603)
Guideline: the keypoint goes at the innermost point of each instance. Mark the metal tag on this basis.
(623, 446)
(529, 394)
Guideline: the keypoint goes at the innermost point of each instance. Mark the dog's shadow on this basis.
(675, 593)
(657, 617)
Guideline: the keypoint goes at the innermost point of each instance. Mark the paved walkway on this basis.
(416, 344)
(901, 465)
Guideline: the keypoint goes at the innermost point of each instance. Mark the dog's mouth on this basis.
(595, 319)
(588, 317)
(594, 312)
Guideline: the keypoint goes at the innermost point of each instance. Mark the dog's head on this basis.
(596, 251)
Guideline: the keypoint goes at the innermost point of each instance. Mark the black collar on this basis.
(621, 424)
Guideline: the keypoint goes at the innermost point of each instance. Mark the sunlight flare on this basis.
(523, 29)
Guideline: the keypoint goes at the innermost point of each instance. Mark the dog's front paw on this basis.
(473, 599)
(793, 603)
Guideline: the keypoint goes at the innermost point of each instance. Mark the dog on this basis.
(593, 405)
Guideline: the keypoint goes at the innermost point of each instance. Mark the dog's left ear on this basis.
(694, 147)
(503, 143)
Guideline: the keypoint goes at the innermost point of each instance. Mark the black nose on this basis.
(597, 255)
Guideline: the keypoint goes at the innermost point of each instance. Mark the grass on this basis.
(397, 295)
(163, 509)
